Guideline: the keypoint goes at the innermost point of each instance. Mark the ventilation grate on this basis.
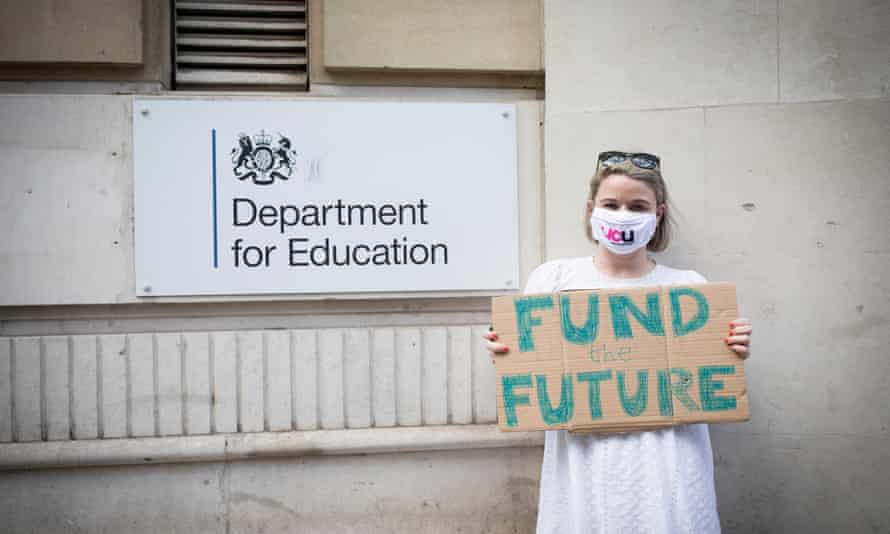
(240, 44)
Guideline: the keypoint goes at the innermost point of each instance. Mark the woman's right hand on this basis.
(495, 348)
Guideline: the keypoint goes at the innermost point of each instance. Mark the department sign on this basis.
(247, 197)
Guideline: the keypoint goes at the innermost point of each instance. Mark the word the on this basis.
(604, 355)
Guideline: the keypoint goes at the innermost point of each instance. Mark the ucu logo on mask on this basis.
(618, 236)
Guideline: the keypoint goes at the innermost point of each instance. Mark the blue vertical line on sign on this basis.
(213, 164)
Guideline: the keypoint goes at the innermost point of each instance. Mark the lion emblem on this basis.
(258, 159)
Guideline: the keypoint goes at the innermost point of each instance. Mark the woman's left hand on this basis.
(739, 337)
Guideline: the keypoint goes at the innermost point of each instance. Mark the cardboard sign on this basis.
(618, 360)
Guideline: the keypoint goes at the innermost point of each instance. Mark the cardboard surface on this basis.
(618, 360)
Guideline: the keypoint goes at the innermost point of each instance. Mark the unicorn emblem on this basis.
(259, 160)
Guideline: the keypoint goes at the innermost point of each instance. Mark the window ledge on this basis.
(247, 446)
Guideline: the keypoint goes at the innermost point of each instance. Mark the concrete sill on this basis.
(233, 447)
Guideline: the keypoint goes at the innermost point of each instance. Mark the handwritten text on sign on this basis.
(619, 359)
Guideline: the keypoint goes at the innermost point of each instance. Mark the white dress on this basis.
(659, 481)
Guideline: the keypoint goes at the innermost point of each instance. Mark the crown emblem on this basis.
(258, 159)
(262, 138)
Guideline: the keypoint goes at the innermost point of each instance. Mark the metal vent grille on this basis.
(240, 44)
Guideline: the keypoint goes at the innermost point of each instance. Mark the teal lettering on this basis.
(668, 389)
(511, 399)
(635, 405)
(587, 333)
(651, 320)
(563, 412)
(665, 406)
(680, 389)
(525, 321)
(698, 320)
(593, 379)
(707, 386)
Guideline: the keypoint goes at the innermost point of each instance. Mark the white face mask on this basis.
(622, 232)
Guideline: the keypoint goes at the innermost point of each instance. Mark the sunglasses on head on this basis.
(639, 159)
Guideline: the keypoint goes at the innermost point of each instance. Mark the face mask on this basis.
(622, 232)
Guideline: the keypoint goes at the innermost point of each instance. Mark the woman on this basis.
(647, 481)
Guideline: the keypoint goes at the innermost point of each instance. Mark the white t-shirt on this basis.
(659, 481)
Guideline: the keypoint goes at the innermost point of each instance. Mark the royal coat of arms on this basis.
(260, 160)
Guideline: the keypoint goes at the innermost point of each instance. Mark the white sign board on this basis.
(250, 196)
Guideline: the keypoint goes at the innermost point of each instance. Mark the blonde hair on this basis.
(653, 179)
